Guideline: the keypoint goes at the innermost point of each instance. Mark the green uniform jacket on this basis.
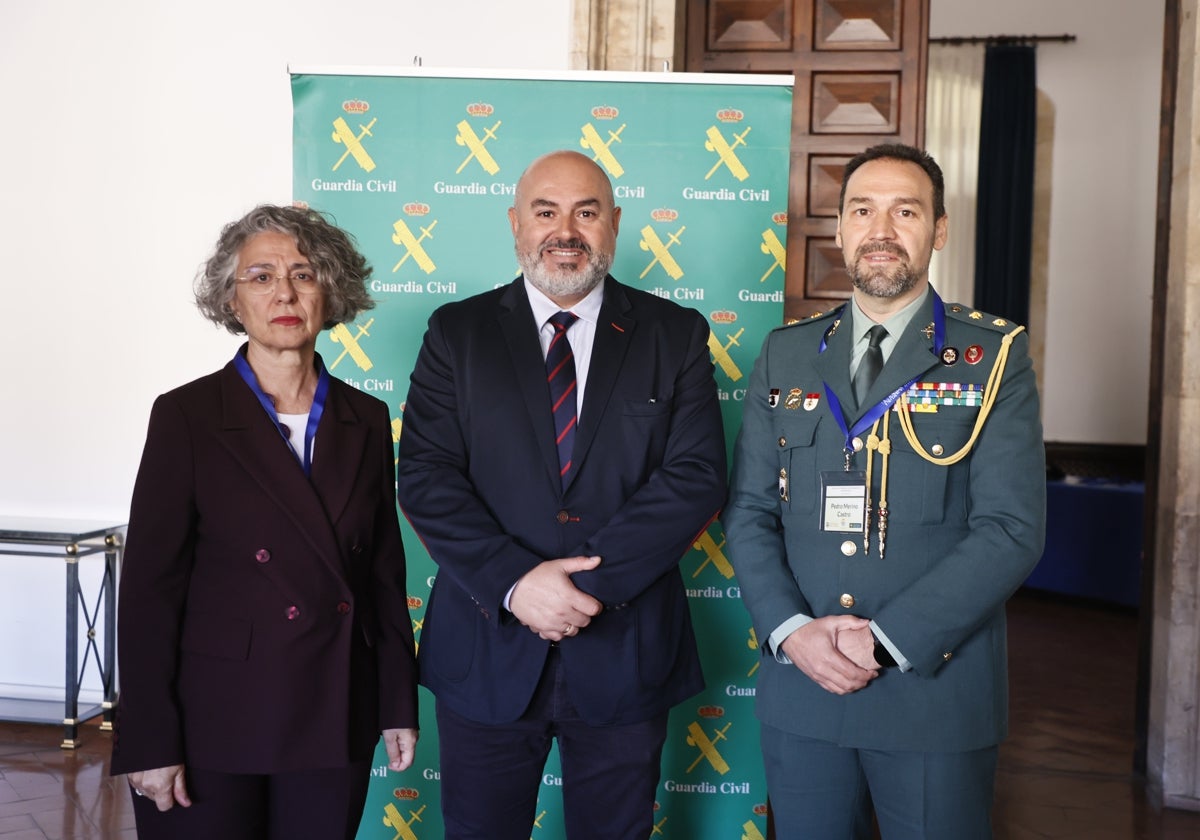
(961, 538)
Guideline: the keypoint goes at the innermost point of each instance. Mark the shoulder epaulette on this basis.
(816, 316)
(980, 319)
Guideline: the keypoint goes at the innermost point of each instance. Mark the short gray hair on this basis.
(342, 271)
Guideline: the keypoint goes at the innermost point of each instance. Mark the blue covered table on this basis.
(1093, 540)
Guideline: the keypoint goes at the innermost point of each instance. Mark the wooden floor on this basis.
(1065, 771)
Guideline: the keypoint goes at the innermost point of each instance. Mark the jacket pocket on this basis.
(647, 408)
(799, 484)
(932, 493)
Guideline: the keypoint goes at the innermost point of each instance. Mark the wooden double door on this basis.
(860, 80)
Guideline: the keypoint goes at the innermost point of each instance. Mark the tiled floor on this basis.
(47, 792)
(1064, 772)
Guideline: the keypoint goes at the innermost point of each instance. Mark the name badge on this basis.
(843, 501)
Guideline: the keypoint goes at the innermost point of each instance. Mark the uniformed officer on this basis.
(888, 496)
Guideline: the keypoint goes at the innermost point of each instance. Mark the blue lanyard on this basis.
(314, 414)
(879, 409)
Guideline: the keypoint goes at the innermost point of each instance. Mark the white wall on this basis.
(133, 131)
(1105, 90)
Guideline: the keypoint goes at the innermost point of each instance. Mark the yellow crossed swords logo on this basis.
(657, 828)
(773, 247)
(752, 643)
(708, 747)
(353, 143)
(602, 154)
(340, 334)
(713, 554)
(750, 831)
(467, 137)
(412, 245)
(397, 426)
(662, 251)
(393, 819)
(724, 149)
(721, 353)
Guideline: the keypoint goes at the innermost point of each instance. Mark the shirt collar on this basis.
(860, 322)
(543, 308)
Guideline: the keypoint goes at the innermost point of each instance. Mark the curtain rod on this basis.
(958, 41)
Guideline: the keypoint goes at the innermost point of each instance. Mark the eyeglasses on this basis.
(261, 282)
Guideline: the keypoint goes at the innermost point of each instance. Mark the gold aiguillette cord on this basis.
(884, 446)
(872, 445)
(885, 451)
(990, 391)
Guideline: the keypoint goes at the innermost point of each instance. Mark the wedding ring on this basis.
(567, 630)
(139, 791)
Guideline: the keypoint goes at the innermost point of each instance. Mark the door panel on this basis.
(860, 80)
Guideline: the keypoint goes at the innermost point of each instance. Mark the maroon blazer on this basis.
(263, 621)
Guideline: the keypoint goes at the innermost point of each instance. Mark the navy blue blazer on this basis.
(478, 479)
(263, 619)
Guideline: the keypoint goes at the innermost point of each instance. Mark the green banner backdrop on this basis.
(421, 166)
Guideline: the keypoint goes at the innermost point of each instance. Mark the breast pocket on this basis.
(646, 425)
(797, 478)
(933, 493)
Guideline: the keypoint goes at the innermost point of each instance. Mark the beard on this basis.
(564, 282)
(883, 282)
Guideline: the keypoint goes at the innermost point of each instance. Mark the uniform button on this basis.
(356, 550)
(343, 607)
(936, 449)
(562, 516)
(292, 613)
(847, 601)
(262, 555)
(946, 656)
(849, 547)
(857, 444)
(782, 442)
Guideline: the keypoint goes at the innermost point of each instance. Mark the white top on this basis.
(295, 425)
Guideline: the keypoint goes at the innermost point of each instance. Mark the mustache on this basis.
(565, 244)
(880, 248)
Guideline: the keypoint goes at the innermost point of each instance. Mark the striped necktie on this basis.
(560, 375)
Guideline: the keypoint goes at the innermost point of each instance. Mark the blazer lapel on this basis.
(339, 453)
(834, 365)
(614, 332)
(249, 435)
(529, 372)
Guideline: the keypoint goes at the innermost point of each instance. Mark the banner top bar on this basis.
(548, 75)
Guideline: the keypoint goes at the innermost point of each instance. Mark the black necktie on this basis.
(870, 364)
(560, 375)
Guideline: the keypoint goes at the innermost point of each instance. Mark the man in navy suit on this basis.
(558, 524)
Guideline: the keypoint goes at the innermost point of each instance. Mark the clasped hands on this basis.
(836, 652)
(547, 601)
